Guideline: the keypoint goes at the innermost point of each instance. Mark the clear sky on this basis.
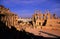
(25, 8)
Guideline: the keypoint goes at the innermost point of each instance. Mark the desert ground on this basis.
(45, 31)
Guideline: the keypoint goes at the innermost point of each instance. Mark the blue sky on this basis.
(25, 8)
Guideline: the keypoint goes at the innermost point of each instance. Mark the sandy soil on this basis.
(45, 31)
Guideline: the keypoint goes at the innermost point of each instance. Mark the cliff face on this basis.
(7, 17)
(46, 19)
